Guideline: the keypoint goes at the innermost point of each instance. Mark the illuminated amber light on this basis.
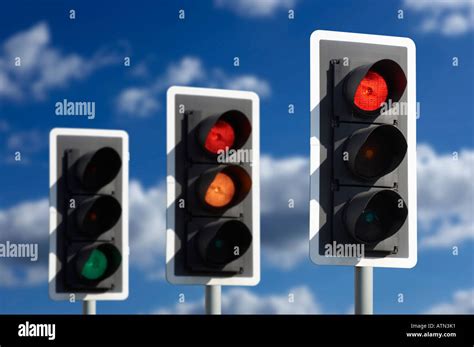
(221, 191)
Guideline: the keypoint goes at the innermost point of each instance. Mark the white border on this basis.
(171, 196)
(316, 37)
(53, 261)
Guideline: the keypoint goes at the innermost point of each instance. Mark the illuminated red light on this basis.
(220, 136)
(371, 93)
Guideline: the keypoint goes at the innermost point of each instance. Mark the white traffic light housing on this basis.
(363, 150)
(213, 224)
(89, 251)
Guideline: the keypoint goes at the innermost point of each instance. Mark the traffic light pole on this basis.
(363, 289)
(89, 307)
(213, 299)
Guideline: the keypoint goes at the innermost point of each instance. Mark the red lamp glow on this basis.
(220, 136)
(371, 92)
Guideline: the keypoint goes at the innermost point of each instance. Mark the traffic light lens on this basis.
(373, 217)
(368, 153)
(372, 92)
(230, 129)
(220, 136)
(382, 149)
(95, 266)
(369, 216)
(221, 191)
(92, 216)
(98, 214)
(222, 187)
(225, 244)
(98, 261)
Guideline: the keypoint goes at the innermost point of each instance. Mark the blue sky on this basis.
(82, 60)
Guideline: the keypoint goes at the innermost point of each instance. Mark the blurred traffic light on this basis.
(89, 227)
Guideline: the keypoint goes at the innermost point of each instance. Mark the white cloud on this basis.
(26, 222)
(249, 82)
(462, 302)
(256, 8)
(283, 179)
(137, 101)
(445, 197)
(143, 101)
(43, 67)
(14, 276)
(284, 229)
(187, 71)
(28, 141)
(7, 88)
(450, 18)
(140, 70)
(4, 126)
(244, 301)
(148, 227)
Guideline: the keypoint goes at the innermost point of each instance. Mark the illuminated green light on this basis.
(218, 243)
(95, 265)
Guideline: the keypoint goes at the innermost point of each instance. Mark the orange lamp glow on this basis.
(221, 191)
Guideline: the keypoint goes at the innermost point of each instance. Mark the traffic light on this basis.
(363, 150)
(213, 222)
(88, 214)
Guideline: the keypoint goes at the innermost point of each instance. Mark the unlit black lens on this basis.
(383, 216)
(98, 215)
(226, 244)
(382, 151)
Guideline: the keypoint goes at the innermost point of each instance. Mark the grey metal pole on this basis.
(213, 299)
(89, 307)
(363, 289)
